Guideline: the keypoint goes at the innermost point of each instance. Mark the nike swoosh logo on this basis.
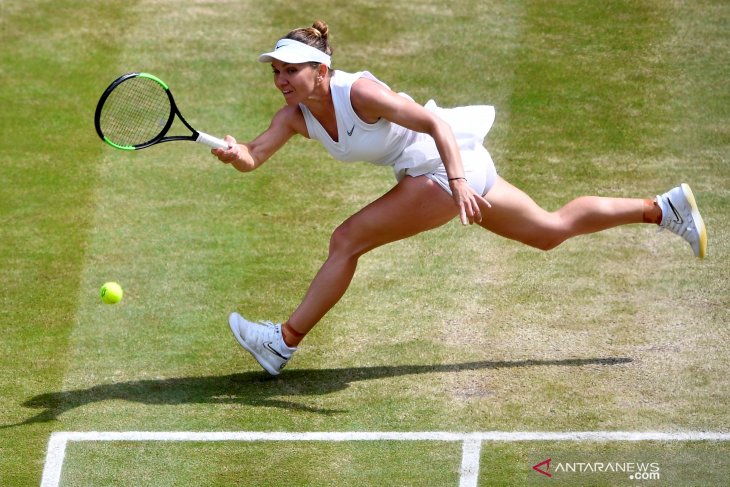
(349, 132)
(677, 218)
(268, 347)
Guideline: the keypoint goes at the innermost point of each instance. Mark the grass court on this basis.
(454, 332)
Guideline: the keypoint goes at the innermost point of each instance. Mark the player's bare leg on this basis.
(516, 216)
(414, 205)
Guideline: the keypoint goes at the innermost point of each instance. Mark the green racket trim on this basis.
(123, 147)
(153, 78)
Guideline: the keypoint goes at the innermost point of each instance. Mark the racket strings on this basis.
(135, 112)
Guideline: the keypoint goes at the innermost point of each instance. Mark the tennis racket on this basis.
(137, 110)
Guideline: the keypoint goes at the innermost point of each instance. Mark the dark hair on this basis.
(316, 36)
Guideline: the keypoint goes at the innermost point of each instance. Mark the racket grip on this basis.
(211, 141)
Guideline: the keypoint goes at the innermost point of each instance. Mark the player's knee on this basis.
(546, 244)
(345, 242)
(553, 232)
(547, 239)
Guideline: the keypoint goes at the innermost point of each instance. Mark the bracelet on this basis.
(454, 179)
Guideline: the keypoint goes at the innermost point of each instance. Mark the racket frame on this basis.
(196, 135)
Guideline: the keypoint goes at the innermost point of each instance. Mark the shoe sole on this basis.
(233, 323)
(697, 218)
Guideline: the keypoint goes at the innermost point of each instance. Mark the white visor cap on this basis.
(295, 52)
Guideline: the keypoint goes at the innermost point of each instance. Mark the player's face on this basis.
(297, 82)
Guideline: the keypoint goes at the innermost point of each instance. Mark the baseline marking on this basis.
(471, 442)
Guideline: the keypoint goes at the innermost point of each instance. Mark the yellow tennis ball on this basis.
(111, 293)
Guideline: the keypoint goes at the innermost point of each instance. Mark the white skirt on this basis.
(470, 126)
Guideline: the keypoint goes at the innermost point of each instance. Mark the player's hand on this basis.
(467, 201)
(230, 155)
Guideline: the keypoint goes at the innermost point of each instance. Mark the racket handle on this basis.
(211, 141)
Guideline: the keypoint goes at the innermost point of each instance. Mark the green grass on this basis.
(370, 463)
(455, 329)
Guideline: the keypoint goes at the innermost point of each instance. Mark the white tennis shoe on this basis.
(680, 215)
(262, 340)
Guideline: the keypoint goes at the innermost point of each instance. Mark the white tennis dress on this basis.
(410, 153)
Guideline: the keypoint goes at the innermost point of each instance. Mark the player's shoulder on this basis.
(289, 112)
(371, 99)
(367, 87)
(291, 117)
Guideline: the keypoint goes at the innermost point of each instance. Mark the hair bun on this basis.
(321, 27)
(316, 36)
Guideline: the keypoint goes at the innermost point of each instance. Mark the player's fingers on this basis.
(477, 212)
(466, 205)
(463, 216)
(226, 155)
(483, 200)
(231, 141)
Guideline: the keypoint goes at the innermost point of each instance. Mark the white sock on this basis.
(285, 349)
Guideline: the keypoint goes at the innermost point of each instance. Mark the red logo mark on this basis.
(538, 468)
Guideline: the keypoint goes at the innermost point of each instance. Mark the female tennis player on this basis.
(442, 170)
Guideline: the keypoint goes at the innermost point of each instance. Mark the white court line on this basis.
(471, 442)
(470, 458)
